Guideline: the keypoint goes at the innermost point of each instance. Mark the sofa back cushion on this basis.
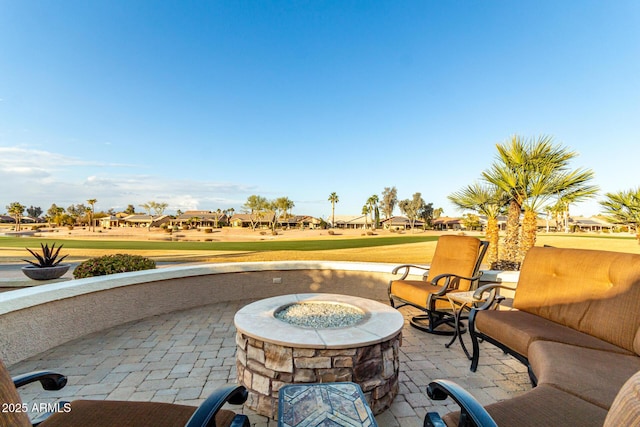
(595, 292)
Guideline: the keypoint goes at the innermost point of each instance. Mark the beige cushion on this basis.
(542, 406)
(9, 396)
(625, 410)
(593, 375)
(518, 329)
(109, 413)
(595, 292)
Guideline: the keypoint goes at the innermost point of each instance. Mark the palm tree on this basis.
(487, 200)
(16, 210)
(623, 207)
(531, 172)
(366, 210)
(372, 202)
(92, 211)
(333, 198)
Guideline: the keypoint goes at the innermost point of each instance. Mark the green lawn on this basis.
(291, 245)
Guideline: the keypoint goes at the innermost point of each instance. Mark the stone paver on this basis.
(183, 356)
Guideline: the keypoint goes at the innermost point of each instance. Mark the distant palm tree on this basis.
(92, 212)
(486, 200)
(372, 202)
(366, 210)
(623, 207)
(333, 198)
(16, 210)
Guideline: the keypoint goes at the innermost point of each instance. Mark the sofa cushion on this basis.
(518, 329)
(595, 292)
(544, 405)
(109, 413)
(593, 375)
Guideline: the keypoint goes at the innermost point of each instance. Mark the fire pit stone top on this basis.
(371, 321)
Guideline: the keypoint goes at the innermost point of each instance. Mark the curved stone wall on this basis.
(36, 319)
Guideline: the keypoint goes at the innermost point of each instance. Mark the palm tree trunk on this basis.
(511, 239)
(529, 231)
(493, 237)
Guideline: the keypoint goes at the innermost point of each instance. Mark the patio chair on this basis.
(454, 268)
(106, 413)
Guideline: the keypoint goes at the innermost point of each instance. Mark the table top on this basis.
(464, 297)
(322, 404)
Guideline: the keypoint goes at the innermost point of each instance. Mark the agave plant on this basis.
(48, 258)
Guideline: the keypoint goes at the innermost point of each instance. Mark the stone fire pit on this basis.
(309, 338)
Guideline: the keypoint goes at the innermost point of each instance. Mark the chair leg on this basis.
(430, 321)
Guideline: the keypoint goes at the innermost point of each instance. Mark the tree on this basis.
(426, 215)
(623, 207)
(531, 172)
(366, 210)
(255, 207)
(159, 208)
(34, 212)
(333, 198)
(486, 200)
(77, 212)
(389, 201)
(279, 206)
(16, 210)
(54, 214)
(91, 212)
(372, 202)
(411, 208)
(147, 207)
(130, 210)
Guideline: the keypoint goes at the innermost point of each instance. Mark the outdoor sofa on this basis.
(575, 324)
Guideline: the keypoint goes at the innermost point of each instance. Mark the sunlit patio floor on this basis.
(183, 356)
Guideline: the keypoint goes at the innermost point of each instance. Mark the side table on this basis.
(461, 301)
(320, 404)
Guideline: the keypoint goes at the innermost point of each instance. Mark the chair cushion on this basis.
(9, 395)
(108, 413)
(455, 255)
(415, 292)
(593, 375)
(625, 410)
(544, 405)
(518, 329)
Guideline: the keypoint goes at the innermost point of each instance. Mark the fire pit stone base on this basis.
(264, 367)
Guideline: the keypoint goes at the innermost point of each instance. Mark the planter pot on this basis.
(45, 273)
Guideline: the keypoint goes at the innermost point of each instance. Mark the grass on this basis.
(392, 249)
(292, 245)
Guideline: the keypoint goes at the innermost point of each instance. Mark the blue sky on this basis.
(202, 104)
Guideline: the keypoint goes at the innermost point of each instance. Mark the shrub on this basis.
(111, 264)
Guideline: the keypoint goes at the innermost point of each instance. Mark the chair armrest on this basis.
(240, 421)
(493, 297)
(407, 268)
(448, 278)
(472, 413)
(49, 380)
(205, 414)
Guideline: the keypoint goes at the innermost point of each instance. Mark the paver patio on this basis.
(181, 357)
